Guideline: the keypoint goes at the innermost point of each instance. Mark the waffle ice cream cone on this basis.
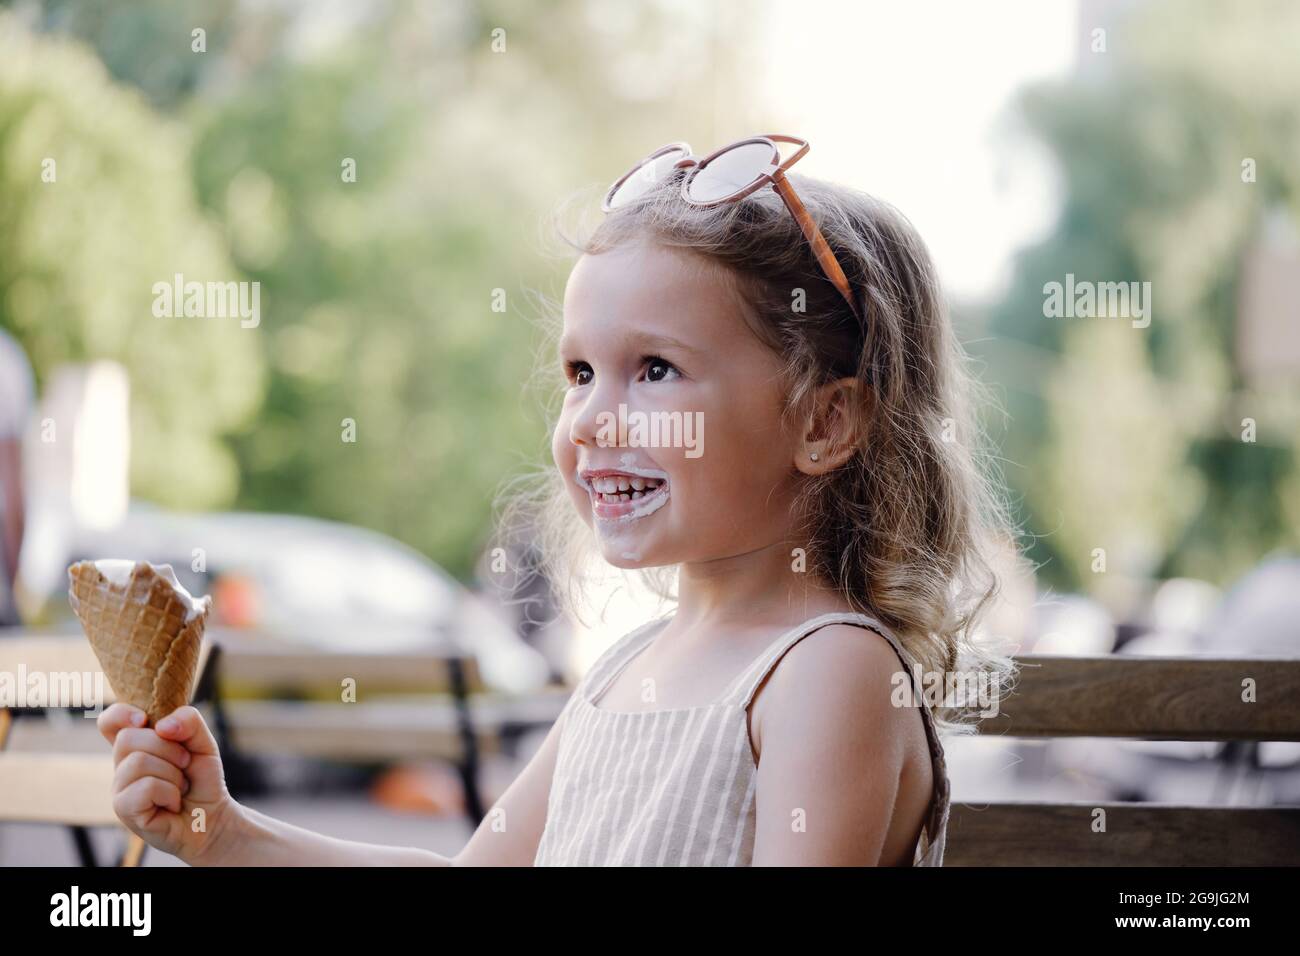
(145, 630)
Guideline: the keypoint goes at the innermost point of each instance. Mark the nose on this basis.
(595, 419)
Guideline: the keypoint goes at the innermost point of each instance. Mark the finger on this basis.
(185, 725)
(140, 798)
(143, 738)
(118, 716)
(140, 764)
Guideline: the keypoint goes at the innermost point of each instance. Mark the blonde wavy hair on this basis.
(908, 529)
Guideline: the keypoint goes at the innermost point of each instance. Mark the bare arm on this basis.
(832, 752)
(511, 831)
(507, 836)
(260, 840)
(167, 778)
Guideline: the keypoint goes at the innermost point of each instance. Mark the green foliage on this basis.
(376, 295)
(147, 44)
(1131, 436)
(79, 257)
(379, 297)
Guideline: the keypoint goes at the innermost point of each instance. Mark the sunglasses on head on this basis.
(728, 175)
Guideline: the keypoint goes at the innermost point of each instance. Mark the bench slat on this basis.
(48, 653)
(380, 730)
(1137, 834)
(66, 654)
(260, 662)
(57, 788)
(245, 668)
(1152, 698)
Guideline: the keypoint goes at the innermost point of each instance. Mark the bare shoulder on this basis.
(839, 681)
(832, 744)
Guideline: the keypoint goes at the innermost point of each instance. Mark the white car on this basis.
(327, 584)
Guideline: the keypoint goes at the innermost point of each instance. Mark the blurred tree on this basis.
(169, 71)
(97, 205)
(466, 122)
(1132, 435)
(1132, 500)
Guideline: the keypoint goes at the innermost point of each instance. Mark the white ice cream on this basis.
(118, 571)
(639, 510)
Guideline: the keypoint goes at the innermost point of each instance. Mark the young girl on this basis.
(829, 489)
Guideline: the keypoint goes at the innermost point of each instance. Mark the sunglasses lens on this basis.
(645, 178)
(730, 172)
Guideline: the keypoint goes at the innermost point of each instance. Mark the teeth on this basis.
(618, 488)
(623, 487)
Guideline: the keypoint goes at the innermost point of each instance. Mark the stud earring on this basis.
(814, 456)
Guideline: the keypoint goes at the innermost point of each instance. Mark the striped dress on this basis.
(676, 787)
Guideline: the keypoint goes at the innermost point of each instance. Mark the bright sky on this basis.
(909, 101)
(906, 99)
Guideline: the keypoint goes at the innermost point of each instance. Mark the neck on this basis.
(754, 589)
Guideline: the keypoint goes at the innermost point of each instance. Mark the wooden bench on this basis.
(275, 699)
(51, 787)
(1150, 698)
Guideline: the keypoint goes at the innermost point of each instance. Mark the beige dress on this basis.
(677, 787)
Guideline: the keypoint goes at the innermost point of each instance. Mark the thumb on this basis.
(185, 725)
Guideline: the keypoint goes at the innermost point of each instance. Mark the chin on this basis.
(628, 557)
(630, 554)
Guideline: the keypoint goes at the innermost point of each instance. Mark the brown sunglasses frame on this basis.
(775, 176)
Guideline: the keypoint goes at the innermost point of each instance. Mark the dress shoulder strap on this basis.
(741, 692)
(617, 655)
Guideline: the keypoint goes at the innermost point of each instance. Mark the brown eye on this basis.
(579, 373)
(657, 370)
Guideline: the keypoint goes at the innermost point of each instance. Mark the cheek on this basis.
(562, 451)
(746, 463)
(565, 456)
(720, 485)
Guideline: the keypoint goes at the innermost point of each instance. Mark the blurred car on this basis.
(323, 584)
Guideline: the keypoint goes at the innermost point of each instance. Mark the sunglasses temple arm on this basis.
(830, 265)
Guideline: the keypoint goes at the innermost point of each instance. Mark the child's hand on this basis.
(169, 788)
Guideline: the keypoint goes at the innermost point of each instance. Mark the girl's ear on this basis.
(830, 433)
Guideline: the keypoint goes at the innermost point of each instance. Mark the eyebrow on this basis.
(663, 341)
(649, 340)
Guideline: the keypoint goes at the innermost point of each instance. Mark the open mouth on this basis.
(624, 494)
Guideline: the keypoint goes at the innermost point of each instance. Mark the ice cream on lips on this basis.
(625, 493)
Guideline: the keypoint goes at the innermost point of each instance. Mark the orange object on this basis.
(429, 789)
(235, 598)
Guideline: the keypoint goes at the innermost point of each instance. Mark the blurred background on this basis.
(384, 172)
